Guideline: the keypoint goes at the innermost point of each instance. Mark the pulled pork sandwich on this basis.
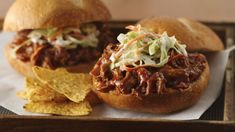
(153, 72)
(56, 33)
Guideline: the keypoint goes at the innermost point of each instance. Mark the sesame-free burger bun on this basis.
(197, 36)
(40, 14)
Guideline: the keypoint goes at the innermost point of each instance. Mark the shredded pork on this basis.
(178, 74)
(54, 56)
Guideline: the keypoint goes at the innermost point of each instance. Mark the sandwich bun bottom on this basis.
(162, 104)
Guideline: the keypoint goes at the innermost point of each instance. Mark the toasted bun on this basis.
(35, 14)
(170, 102)
(26, 68)
(195, 35)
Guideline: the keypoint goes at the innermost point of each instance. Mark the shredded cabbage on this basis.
(141, 48)
(63, 39)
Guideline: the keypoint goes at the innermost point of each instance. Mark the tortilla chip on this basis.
(74, 86)
(23, 95)
(67, 108)
(36, 91)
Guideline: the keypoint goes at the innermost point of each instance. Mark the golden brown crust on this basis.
(26, 68)
(170, 102)
(35, 14)
(195, 35)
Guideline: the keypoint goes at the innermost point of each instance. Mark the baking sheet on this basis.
(11, 82)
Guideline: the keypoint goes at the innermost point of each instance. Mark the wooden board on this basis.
(13, 123)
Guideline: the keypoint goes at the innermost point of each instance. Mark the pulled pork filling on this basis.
(179, 72)
(55, 47)
(145, 77)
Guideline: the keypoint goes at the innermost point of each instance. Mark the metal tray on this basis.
(219, 117)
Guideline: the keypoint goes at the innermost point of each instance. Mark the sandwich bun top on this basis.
(39, 14)
(195, 35)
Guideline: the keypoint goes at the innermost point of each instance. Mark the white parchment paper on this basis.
(11, 82)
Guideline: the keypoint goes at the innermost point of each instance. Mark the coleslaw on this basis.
(142, 48)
